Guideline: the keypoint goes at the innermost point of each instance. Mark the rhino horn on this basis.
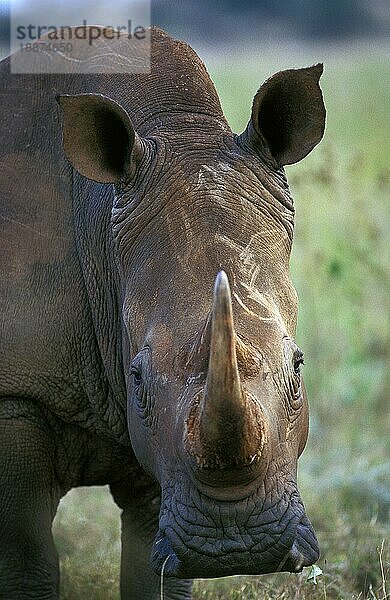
(223, 399)
(229, 423)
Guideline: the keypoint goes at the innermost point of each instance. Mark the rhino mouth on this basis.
(225, 541)
(191, 565)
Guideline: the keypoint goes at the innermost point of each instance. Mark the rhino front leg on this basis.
(29, 497)
(139, 527)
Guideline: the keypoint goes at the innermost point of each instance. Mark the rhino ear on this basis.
(99, 139)
(288, 115)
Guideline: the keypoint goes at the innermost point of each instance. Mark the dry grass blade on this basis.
(162, 577)
(383, 574)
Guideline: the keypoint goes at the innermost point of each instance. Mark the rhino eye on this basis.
(136, 375)
(298, 361)
(142, 388)
(292, 379)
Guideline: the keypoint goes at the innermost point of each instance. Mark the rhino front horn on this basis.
(222, 410)
(227, 429)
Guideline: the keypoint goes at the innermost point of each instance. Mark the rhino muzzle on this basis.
(225, 433)
(205, 539)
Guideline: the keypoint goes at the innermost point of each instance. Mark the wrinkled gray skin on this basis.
(106, 297)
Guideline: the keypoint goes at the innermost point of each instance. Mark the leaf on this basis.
(314, 572)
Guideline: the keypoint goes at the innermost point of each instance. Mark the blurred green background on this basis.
(341, 269)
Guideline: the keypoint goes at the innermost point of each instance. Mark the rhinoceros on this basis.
(148, 321)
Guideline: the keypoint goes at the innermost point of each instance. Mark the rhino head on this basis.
(202, 222)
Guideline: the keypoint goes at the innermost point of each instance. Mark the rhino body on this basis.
(120, 212)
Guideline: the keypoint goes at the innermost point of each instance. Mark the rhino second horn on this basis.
(231, 428)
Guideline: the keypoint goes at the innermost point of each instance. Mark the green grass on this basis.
(87, 534)
(341, 269)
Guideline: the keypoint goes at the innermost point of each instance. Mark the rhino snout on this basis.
(202, 537)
